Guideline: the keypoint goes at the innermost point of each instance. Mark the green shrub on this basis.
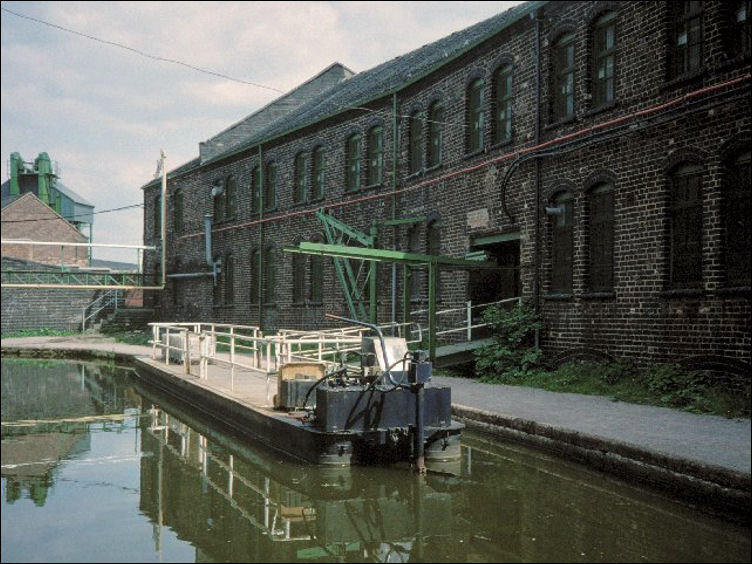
(513, 355)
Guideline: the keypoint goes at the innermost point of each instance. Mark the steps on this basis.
(127, 319)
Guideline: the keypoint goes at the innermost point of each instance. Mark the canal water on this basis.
(99, 467)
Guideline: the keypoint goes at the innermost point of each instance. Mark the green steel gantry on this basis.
(353, 285)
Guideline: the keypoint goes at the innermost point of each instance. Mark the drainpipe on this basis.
(208, 248)
(261, 241)
(537, 266)
(395, 141)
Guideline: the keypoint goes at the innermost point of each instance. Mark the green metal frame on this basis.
(432, 262)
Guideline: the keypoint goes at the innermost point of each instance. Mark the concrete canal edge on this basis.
(704, 486)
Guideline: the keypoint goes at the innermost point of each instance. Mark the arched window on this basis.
(685, 224)
(218, 201)
(157, 217)
(416, 273)
(300, 189)
(316, 293)
(319, 173)
(562, 90)
(601, 238)
(737, 219)
(256, 189)
(686, 38)
(375, 155)
(503, 97)
(415, 157)
(177, 212)
(435, 134)
(270, 186)
(475, 122)
(231, 189)
(269, 276)
(433, 245)
(562, 243)
(603, 79)
(352, 162)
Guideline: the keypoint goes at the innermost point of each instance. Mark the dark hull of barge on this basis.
(366, 426)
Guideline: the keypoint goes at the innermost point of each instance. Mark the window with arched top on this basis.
(298, 278)
(375, 156)
(685, 37)
(685, 226)
(270, 186)
(503, 97)
(318, 173)
(300, 187)
(601, 238)
(562, 75)
(255, 282)
(475, 116)
(603, 64)
(352, 162)
(435, 134)
(562, 242)
(415, 156)
(178, 205)
(256, 189)
(736, 216)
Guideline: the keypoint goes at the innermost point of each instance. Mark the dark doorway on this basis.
(493, 285)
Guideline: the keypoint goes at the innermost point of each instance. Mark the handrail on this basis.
(107, 295)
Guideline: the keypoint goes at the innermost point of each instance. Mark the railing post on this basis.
(187, 351)
(167, 347)
(470, 320)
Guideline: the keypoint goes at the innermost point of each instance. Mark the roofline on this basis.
(532, 7)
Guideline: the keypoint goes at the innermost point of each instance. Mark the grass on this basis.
(664, 385)
(39, 333)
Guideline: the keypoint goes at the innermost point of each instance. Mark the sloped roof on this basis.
(379, 81)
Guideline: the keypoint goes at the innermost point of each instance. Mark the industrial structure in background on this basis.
(47, 260)
(596, 153)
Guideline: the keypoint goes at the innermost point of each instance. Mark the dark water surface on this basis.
(98, 467)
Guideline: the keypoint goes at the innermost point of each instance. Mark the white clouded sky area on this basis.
(103, 112)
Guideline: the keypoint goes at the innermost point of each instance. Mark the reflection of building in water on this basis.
(47, 412)
(235, 503)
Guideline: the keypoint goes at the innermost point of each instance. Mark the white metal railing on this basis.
(246, 348)
(468, 313)
(106, 300)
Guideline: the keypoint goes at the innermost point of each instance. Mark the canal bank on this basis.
(703, 460)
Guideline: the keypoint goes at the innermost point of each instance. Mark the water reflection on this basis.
(98, 466)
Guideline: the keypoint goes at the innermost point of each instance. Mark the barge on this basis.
(381, 410)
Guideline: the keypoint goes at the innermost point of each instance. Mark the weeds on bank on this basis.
(514, 360)
(38, 333)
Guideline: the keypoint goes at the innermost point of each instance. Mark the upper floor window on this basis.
(503, 104)
(157, 216)
(685, 221)
(562, 243)
(300, 188)
(319, 173)
(475, 116)
(352, 162)
(563, 78)
(177, 212)
(435, 134)
(415, 157)
(218, 201)
(270, 186)
(375, 156)
(604, 60)
(740, 42)
(737, 219)
(256, 189)
(231, 189)
(601, 238)
(685, 48)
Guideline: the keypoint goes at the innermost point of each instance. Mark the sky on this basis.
(102, 87)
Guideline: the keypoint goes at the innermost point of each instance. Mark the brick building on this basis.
(599, 151)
